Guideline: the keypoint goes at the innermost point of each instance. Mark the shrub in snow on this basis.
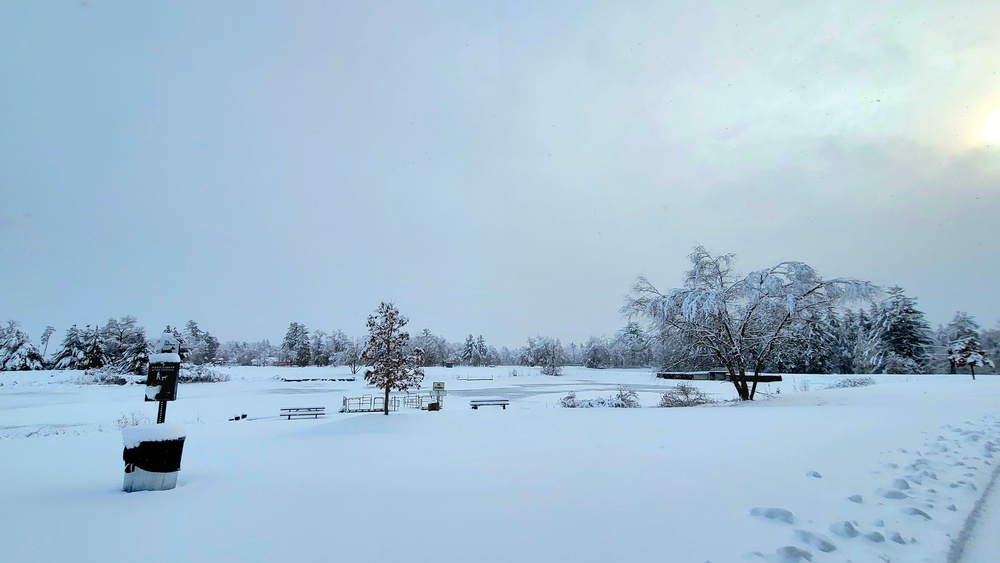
(134, 418)
(569, 401)
(685, 395)
(200, 374)
(624, 399)
(849, 382)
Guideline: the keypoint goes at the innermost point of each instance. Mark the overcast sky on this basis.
(495, 168)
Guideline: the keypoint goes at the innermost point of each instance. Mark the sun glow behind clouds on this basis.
(991, 128)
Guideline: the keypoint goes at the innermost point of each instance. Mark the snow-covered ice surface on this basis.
(888, 472)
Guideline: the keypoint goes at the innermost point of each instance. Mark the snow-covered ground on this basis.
(888, 472)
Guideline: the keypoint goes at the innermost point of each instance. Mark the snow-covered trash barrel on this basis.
(152, 456)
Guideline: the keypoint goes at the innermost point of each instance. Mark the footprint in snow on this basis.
(779, 514)
(788, 554)
(916, 512)
(844, 529)
(812, 539)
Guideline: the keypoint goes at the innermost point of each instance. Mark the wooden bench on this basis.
(302, 412)
(476, 403)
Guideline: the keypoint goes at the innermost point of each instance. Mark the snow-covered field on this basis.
(888, 472)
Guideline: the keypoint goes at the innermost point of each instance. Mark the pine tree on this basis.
(94, 356)
(46, 335)
(125, 345)
(390, 367)
(968, 352)
(482, 351)
(901, 335)
(17, 353)
(469, 356)
(70, 352)
(295, 348)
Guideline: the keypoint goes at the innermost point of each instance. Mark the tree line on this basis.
(782, 319)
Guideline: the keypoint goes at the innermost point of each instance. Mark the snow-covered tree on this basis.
(94, 356)
(295, 349)
(597, 352)
(70, 351)
(545, 352)
(202, 346)
(352, 355)
(318, 343)
(390, 366)
(901, 338)
(968, 352)
(46, 335)
(185, 348)
(17, 353)
(990, 339)
(630, 348)
(475, 352)
(435, 347)
(741, 321)
(811, 346)
(962, 325)
(125, 346)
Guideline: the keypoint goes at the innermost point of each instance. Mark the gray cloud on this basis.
(496, 168)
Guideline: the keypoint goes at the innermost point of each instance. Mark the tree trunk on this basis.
(385, 404)
(973, 370)
(740, 382)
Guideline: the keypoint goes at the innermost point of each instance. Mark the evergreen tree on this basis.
(962, 325)
(49, 330)
(482, 351)
(125, 345)
(901, 335)
(469, 351)
(94, 356)
(202, 346)
(70, 352)
(391, 368)
(296, 349)
(968, 352)
(435, 347)
(17, 353)
(630, 348)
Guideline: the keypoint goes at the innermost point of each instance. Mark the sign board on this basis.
(161, 381)
(438, 386)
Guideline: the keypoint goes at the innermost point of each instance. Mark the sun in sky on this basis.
(991, 128)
